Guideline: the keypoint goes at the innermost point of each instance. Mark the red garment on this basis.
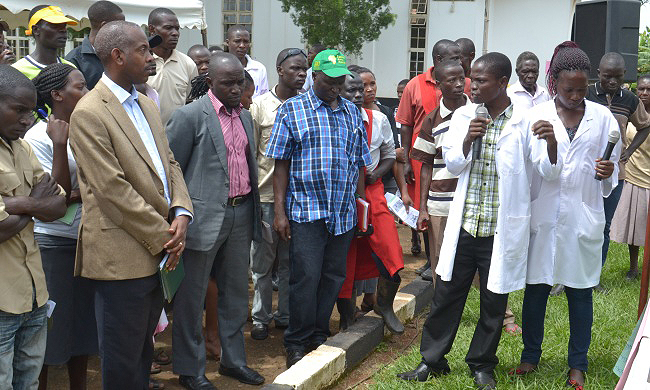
(384, 241)
(420, 97)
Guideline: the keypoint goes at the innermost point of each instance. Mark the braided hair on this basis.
(52, 78)
(200, 87)
(567, 56)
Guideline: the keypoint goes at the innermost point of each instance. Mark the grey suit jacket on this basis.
(195, 137)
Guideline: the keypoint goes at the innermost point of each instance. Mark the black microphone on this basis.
(481, 112)
(612, 139)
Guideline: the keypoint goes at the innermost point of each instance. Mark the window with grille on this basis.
(18, 41)
(237, 12)
(417, 36)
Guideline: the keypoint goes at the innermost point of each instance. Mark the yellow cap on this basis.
(50, 14)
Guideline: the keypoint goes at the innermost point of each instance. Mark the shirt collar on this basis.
(507, 112)
(316, 102)
(172, 57)
(444, 111)
(219, 107)
(86, 47)
(428, 75)
(364, 115)
(274, 98)
(120, 93)
(600, 91)
(251, 63)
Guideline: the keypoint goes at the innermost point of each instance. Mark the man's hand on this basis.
(409, 176)
(423, 220)
(408, 202)
(477, 129)
(176, 245)
(400, 157)
(7, 57)
(281, 225)
(44, 188)
(625, 155)
(57, 130)
(604, 169)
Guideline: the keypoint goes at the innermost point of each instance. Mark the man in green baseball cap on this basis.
(320, 149)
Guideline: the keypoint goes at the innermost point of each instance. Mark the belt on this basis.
(237, 200)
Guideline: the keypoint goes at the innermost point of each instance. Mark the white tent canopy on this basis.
(190, 13)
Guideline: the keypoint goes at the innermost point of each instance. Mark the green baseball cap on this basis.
(331, 62)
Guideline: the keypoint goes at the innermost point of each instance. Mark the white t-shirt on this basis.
(43, 149)
(257, 70)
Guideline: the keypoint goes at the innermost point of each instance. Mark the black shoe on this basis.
(484, 380)
(416, 249)
(558, 289)
(423, 372)
(293, 356)
(196, 382)
(425, 267)
(244, 374)
(386, 291)
(280, 325)
(427, 275)
(260, 332)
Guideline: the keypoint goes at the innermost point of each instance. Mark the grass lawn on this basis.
(614, 318)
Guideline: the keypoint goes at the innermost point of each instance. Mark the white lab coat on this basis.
(567, 215)
(518, 153)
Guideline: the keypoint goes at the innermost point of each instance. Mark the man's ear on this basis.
(503, 82)
(118, 56)
(152, 28)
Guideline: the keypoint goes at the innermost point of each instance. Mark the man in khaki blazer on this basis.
(131, 188)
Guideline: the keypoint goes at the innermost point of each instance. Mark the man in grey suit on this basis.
(212, 140)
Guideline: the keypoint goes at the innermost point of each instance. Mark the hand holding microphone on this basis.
(604, 167)
(477, 128)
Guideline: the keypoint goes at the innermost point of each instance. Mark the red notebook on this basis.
(363, 208)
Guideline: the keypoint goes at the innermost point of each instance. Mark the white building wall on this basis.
(514, 26)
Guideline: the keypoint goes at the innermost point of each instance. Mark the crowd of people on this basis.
(128, 156)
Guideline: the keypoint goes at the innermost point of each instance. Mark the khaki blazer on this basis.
(125, 215)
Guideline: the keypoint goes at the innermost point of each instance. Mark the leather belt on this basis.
(237, 200)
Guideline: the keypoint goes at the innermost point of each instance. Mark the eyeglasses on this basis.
(291, 53)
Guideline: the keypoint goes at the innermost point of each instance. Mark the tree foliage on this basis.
(643, 65)
(345, 24)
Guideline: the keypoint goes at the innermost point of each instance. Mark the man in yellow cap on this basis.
(48, 25)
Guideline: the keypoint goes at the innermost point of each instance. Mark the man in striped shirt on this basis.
(437, 196)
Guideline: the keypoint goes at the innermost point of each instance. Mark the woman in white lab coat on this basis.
(567, 216)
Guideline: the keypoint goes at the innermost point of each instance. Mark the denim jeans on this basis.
(263, 255)
(580, 321)
(22, 348)
(318, 260)
(610, 204)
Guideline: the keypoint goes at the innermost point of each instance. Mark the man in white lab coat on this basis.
(488, 225)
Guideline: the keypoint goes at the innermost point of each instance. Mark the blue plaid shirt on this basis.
(326, 148)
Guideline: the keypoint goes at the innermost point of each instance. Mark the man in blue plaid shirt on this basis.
(320, 149)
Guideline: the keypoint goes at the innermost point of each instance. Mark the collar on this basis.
(172, 57)
(251, 63)
(219, 107)
(86, 47)
(507, 112)
(120, 93)
(518, 87)
(37, 64)
(428, 76)
(444, 111)
(600, 91)
(276, 100)
(315, 102)
(364, 115)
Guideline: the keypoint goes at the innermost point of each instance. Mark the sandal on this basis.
(518, 371)
(512, 329)
(155, 368)
(161, 357)
(573, 383)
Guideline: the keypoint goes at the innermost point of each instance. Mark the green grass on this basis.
(614, 318)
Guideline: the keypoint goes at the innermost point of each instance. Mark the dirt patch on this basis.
(267, 356)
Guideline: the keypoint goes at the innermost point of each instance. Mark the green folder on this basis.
(170, 280)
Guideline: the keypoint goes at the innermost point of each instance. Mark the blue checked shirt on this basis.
(326, 148)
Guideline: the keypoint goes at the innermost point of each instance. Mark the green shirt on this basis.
(482, 200)
(30, 68)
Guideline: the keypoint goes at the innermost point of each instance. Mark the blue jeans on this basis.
(22, 348)
(318, 260)
(610, 204)
(581, 317)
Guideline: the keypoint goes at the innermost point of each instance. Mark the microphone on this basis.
(481, 112)
(612, 139)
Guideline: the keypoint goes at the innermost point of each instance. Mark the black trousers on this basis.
(127, 313)
(472, 254)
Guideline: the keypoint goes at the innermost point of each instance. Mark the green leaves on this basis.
(344, 24)
(643, 66)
